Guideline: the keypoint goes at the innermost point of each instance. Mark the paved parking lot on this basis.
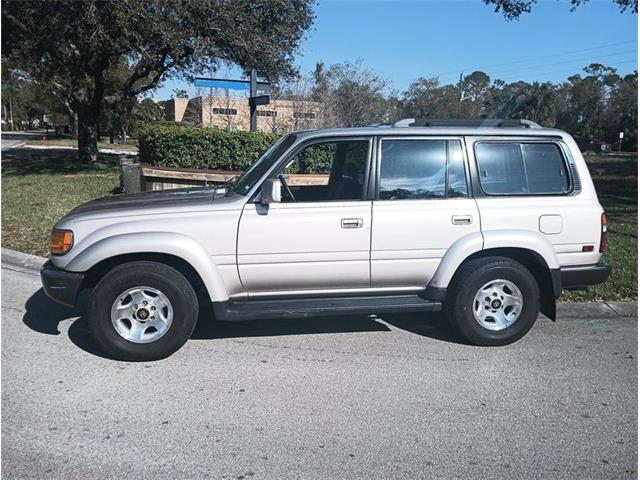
(332, 398)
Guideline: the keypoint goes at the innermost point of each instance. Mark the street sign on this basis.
(259, 100)
(229, 84)
(252, 85)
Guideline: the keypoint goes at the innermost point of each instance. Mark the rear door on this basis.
(422, 207)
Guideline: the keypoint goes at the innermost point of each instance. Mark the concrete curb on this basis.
(21, 260)
(67, 147)
(17, 145)
(32, 263)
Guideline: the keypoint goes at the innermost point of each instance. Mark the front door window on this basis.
(328, 171)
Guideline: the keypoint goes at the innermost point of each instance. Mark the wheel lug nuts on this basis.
(135, 306)
(153, 308)
(145, 302)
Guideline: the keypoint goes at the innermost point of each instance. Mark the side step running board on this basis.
(235, 311)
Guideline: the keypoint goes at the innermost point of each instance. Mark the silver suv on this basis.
(487, 220)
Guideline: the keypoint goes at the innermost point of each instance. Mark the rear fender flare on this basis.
(472, 243)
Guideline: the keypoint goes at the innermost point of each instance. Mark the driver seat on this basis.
(346, 187)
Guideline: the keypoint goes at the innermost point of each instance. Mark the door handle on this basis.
(462, 219)
(351, 223)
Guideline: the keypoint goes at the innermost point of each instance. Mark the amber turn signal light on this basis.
(61, 241)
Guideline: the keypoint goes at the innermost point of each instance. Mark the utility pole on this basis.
(253, 92)
(460, 94)
(10, 111)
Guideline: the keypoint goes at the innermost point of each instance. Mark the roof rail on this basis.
(466, 122)
(405, 122)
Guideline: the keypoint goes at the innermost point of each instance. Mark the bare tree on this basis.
(351, 95)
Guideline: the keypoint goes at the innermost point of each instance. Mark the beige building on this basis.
(232, 113)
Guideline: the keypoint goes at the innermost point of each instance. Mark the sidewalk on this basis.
(67, 147)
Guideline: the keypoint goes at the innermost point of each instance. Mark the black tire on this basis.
(167, 280)
(469, 279)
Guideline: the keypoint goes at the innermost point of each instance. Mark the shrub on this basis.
(185, 146)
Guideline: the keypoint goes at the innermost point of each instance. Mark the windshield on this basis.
(248, 179)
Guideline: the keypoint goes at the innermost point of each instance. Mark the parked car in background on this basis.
(486, 220)
(594, 145)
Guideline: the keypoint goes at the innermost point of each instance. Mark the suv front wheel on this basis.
(142, 311)
(493, 301)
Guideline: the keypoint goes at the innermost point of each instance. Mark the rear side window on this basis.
(521, 168)
(422, 169)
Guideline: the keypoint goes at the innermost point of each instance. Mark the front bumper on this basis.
(60, 285)
(577, 278)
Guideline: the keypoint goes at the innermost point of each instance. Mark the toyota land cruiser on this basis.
(487, 220)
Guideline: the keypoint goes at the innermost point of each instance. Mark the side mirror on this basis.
(270, 192)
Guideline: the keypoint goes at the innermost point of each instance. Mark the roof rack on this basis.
(464, 122)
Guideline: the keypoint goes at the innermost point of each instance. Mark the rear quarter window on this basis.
(521, 168)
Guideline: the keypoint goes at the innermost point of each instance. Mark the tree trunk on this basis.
(88, 118)
(73, 122)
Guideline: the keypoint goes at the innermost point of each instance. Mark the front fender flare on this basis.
(176, 244)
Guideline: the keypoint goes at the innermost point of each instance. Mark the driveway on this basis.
(332, 398)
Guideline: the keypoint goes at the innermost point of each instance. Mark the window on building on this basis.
(267, 113)
(515, 168)
(224, 111)
(308, 115)
(422, 169)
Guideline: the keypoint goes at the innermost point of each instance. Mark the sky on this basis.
(403, 40)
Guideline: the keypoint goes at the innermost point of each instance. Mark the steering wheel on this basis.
(286, 187)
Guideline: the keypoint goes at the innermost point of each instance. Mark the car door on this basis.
(422, 207)
(318, 237)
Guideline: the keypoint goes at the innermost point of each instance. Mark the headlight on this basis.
(61, 241)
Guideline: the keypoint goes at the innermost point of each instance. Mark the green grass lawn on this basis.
(616, 181)
(40, 186)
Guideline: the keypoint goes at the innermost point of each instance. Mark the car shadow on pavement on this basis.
(43, 315)
(432, 325)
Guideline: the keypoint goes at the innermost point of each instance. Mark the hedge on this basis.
(185, 146)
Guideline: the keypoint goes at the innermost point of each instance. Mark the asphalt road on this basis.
(340, 398)
(13, 139)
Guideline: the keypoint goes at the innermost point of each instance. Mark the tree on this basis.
(513, 9)
(180, 93)
(23, 101)
(536, 101)
(475, 91)
(426, 98)
(73, 48)
(622, 112)
(351, 95)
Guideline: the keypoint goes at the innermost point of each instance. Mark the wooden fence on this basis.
(136, 177)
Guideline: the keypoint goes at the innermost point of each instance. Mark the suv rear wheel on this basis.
(493, 301)
(142, 311)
